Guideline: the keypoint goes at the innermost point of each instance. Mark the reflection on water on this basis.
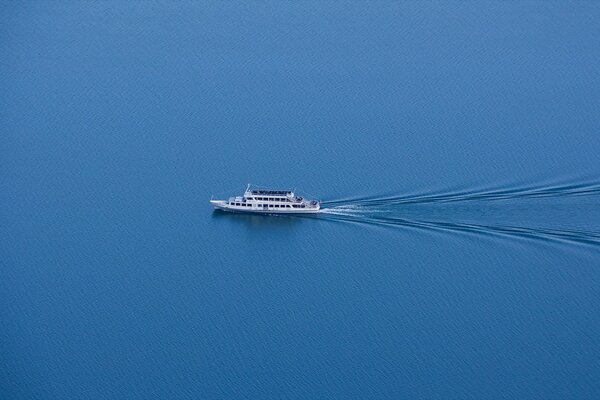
(261, 221)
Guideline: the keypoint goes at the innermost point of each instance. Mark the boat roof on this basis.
(271, 192)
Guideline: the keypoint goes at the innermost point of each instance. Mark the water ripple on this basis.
(516, 192)
(565, 222)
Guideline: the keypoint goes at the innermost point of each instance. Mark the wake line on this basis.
(580, 189)
(545, 234)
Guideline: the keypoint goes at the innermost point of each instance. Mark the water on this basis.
(504, 212)
(455, 146)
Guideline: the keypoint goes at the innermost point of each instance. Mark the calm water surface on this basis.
(455, 146)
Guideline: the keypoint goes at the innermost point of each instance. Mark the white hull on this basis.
(255, 209)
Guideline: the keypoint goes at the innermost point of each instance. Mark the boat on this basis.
(267, 201)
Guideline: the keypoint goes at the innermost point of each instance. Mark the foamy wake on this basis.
(392, 212)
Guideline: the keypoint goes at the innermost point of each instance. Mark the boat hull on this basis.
(223, 206)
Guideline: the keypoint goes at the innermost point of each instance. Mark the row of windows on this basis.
(270, 205)
(268, 199)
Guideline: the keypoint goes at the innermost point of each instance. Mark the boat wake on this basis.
(514, 192)
(558, 213)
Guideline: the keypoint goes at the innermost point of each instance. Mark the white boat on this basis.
(267, 201)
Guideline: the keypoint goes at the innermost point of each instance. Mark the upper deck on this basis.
(265, 192)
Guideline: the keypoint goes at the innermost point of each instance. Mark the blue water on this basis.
(455, 146)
